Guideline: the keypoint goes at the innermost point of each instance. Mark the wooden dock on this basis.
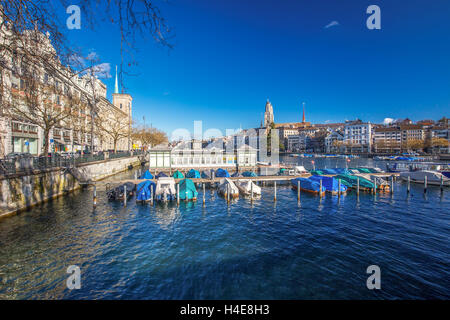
(268, 179)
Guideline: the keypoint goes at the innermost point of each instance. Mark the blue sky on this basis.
(230, 56)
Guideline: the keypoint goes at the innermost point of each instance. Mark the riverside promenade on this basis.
(31, 181)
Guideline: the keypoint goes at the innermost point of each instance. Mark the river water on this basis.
(318, 249)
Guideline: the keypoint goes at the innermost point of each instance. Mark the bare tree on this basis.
(39, 100)
(113, 125)
(148, 137)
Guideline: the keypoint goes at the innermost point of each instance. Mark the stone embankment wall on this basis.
(23, 190)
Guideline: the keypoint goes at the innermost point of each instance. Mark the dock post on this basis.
(408, 188)
(251, 191)
(151, 195)
(425, 185)
(392, 184)
(178, 193)
(228, 193)
(298, 190)
(339, 187)
(320, 189)
(186, 196)
(125, 195)
(442, 183)
(204, 199)
(275, 191)
(375, 186)
(95, 196)
(357, 186)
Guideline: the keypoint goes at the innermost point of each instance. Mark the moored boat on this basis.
(145, 191)
(146, 175)
(178, 175)
(351, 181)
(118, 193)
(307, 185)
(193, 174)
(433, 177)
(165, 189)
(330, 184)
(222, 173)
(247, 187)
(226, 185)
(188, 190)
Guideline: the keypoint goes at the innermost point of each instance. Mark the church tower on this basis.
(268, 114)
(122, 100)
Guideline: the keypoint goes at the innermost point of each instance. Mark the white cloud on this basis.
(388, 121)
(102, 70)
(332, 24)
(92, 56)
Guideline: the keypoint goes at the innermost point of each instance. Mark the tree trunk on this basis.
(46, 143)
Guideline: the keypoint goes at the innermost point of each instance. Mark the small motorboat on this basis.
(193, 174)
(351, 181)
(188, 190)
(307, 185)
(178, 175)
(225, 186)
(222, 173)
(165, 189)
(249, 174)
(146, 175)
(145, 191)
(331, 184)
(433, 177)
(161, 175)
(237, 175)
(206, 174)
(381, 181)
(118, 193)
(247, 187)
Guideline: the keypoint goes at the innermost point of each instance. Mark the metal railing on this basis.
(26, 164)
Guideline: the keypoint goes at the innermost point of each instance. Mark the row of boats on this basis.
(165, 189)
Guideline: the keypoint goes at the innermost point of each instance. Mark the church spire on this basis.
(116, 87)
(303, 119)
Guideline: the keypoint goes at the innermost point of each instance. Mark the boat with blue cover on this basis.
(249, 174)
(193, 174)
(161, 175)
(222, 173)
(307, 185)
(331, 184)
(206, 174)
(146, 175)
(145, 190)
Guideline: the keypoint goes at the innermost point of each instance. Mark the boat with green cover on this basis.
(351, 181)
(188, 190)
(178, 175)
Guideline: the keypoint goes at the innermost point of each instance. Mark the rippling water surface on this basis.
(319, 249)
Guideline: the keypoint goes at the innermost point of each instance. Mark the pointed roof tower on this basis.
(303, 119)
(116, 87)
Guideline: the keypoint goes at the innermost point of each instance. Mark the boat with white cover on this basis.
(165, 189)
(226, 185)
(247, 186)
(433, 177)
